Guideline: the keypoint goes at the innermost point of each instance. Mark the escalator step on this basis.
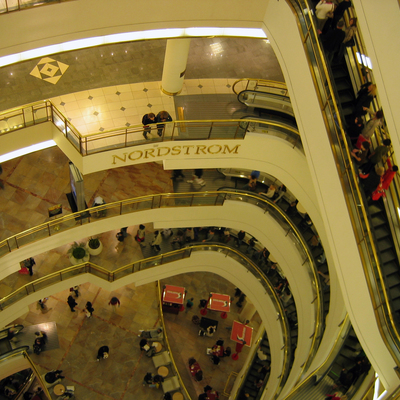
(395, 292)
(382, 232)
(378, 221)
(388, 256)
(385, 244)
(374, 209)
(391, 268)
(393, 280)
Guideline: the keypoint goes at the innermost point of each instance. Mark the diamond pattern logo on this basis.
(49, 70)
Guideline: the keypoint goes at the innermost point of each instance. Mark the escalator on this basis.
(388, 259)
(389, 263)
(258, 372)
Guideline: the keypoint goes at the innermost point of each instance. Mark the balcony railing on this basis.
(44, 111)
(154, 202)
(7, 6)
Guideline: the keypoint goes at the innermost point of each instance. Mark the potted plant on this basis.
(78, 253)
(94, 246)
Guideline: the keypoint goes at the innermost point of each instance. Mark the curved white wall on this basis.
(58, 23)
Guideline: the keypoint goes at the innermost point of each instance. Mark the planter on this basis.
(78, 254)
(95, 252)
(76, 261)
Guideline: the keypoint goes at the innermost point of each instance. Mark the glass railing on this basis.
(274, 102)
(261, 85)
(155, 202)
(7, 6)
(161, 259)
(174, 367)
(308, 260)
(45, 111)
(349, 177)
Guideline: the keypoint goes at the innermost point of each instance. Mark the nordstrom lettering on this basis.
(188, 150)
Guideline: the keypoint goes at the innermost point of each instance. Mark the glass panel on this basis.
(15, 297)
(73, 272)
(99, 273)
(204, 199)
(32, 235)
(48, 281)
(129, 270)
(150, 263)
(28, 116)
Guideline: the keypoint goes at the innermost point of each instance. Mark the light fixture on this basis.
(129, 37)
(27, 150)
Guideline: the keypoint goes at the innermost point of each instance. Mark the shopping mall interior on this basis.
(314, 282)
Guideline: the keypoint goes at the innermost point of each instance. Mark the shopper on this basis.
(72, 303)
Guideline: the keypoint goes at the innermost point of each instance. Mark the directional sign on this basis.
(241, 332)
(174, 294)
(219, 302)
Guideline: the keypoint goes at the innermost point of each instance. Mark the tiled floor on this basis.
(88, 94)
(120, 376)
(136, 62)
(103, 109)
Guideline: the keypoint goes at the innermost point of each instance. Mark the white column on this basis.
(176, 55)
(248, 311)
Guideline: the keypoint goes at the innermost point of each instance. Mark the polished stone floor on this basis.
(136, 62)
(36, 181)
(120, 376)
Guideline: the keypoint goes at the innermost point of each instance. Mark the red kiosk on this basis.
(173, 298)
(220, 302)
(242, 335)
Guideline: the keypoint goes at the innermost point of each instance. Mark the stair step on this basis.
(391, 268)
(388, 256)
(385, 244)
(382, 232)
(393, 280)
(377, 221)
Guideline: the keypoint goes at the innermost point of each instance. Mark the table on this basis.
(173, 294)
(241, 332)
(163, 371)
(59, 389)
(206, 322)
(158, 346)
(177, 396)
(220, 302)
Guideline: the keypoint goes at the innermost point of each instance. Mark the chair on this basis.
(162, 358)
(171, 384)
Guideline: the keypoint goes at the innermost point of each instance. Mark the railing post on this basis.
(209, 133)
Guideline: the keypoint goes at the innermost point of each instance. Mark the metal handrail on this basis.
(265, 85)
(348, 177)
(175, 368)
(45, 111)
(218, 198)
(155, 262)
(25, 5)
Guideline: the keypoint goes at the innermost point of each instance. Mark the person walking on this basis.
(72, 303)
(103, 353)
(197, 177)
(141, 235)
(29, 264)
(114, 302)
(157, 241)
(88, 309)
